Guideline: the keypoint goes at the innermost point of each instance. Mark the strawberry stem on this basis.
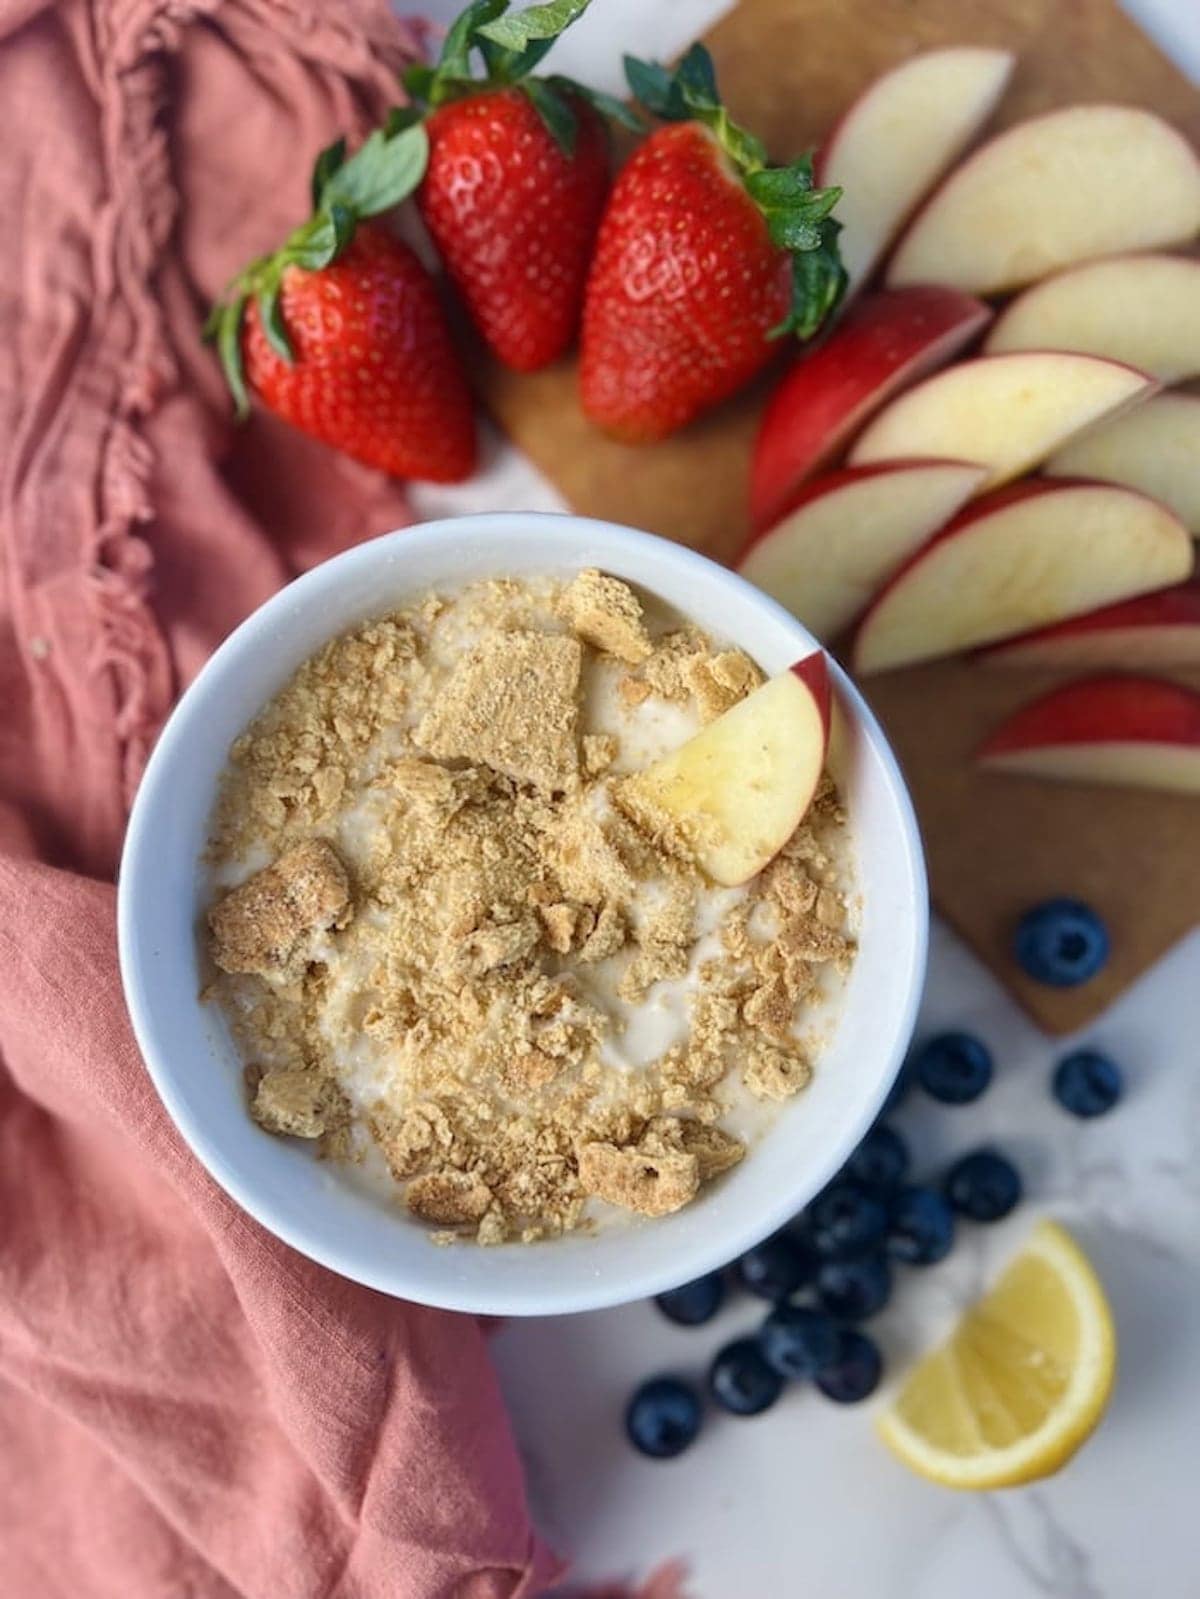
(798, 216)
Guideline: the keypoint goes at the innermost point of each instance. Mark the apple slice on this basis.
(900, 135)
(1160, 629)
(846, 534)
(1155, 448)
(1140, 309)
(737, 790)
(1133, 732)
(1085, 181)
(885, 342)
(1030, 555)
(1007, 412)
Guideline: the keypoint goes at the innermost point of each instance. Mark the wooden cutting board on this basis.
(996, 845)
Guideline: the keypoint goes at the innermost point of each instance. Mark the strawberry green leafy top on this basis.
(381, 173)
(797, 214)
(511, 46)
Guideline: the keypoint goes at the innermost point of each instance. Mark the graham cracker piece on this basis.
(650, 1184)
(831, 908)
(607, 936)
(772, 1072)
(291, 1100)
(559, 923)
(531, 1070)
(720, 681)
(448, 1198)
(409, 1143)
(770, 1008)
(580, 851)
(716, 1151)
(607, 614)
(291, 769)
(424, 782)
(667, 669)
(266, 925)
(499, 944)
(512, 704)
(599, 752)
(664, 945)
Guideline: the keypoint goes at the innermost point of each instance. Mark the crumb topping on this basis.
(607, 614)
(267, 926)
(459, 923)
(512, 704)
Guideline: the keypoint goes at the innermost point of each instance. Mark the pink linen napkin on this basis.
(188, 1408)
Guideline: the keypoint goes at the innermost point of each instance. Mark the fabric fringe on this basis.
(132, 44)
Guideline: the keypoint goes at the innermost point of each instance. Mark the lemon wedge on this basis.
(1022, 1381)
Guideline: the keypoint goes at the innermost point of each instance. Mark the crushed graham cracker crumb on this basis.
(772, 1072)
(607, 614)
(652, 1183)
(449, 1198)
(559, 923)
(291, 1100)
(600, 750)
(266, 925)
(512, 704)
(720, 681)
(607, 935)
(438, 966)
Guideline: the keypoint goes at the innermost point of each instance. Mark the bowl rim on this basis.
(138, 854)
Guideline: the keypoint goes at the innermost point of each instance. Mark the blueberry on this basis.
(776, 1267)
(663, 1417)
(694, 1302)
(1061, 942)
(845, 1220)
(954, 1067)
(797, 1342)
(855, 1370)
(983, 1185)
(1087, 1083)
(921, 1230)
(880, 1161)
(740, 1380)
(854, 1289)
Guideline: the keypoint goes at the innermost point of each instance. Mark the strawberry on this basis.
(706, 255)
(517, 177)
(341, 332)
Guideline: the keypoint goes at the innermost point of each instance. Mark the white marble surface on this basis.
(803, 1501)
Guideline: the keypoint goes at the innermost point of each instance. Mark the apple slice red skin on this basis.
(813, 672)
(995, 500)
(1172, 609)
(1105, 709)
(1149, 387)
(830, 482)
(998, 500)
(885, 342)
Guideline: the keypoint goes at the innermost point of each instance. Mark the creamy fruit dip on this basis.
(448, 953)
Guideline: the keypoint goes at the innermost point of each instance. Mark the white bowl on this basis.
(196, 1069)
